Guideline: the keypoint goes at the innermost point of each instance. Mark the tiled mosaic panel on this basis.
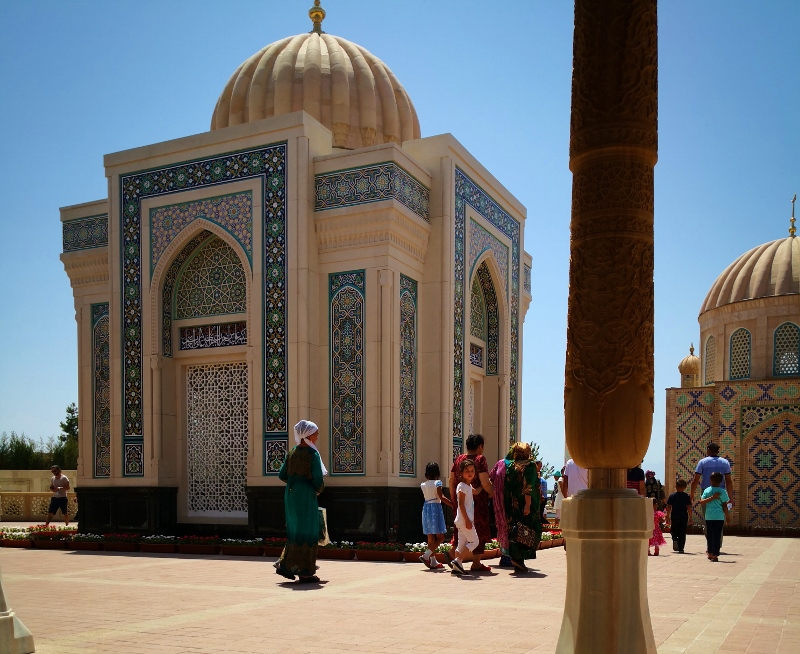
(480, 240)
(169, 288)
(492, 320)
(471, 423)
(232, 212)
(217, 434)
(773, 466)
(347, 292)
(740, 354)
(469, 193)
(787, 350)
(275, 451)
(133, 459)
(266, 163)
(458, 447)
(101, 401)
(212, 284)
(476, 355)
(206, 336)
(383, 181)
(477, 311)
(84, 233)
(526, 277)
(694, 427)
(710, 360)
(408, 375)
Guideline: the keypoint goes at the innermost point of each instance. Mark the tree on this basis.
(69, 428)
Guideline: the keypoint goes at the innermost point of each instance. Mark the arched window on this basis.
(787, 350)
(477, 311)
(212, 283)
(740, 354)
(710, 360)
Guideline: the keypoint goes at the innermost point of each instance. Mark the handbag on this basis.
(524, 535)
(323, 528)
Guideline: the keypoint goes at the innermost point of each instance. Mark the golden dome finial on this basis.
(317, 15)
(792, 229)
(691, 349)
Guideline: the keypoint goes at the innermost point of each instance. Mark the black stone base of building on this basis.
(141, 510)
(354, 513)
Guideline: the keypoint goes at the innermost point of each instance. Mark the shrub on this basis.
(198, 540)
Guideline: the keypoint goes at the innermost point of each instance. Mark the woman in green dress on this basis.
(521, 500)
(302, 472)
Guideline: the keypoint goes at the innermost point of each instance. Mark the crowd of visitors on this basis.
(518, 495)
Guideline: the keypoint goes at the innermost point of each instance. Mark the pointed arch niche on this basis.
(485, 347)
(203, 390)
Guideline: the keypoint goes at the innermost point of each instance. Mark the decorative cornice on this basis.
(383, 226)
(88, 267)
(373, 183)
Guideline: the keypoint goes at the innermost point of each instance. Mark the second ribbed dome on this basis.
(769, 270)
(339, 83)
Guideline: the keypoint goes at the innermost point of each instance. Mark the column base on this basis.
(606, 609)
(14, 636)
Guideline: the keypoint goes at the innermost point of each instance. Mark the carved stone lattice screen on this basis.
(740, 354)
(710, 362)
(787, 350)
(216, 439)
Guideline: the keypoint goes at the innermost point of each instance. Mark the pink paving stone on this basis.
(132, 603)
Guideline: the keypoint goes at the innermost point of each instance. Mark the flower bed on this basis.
(274, 546)
(379, 551)
(121, 542)
(159, 544)
(241, 546)
(341, 550)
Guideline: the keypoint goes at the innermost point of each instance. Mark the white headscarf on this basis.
(302, 430)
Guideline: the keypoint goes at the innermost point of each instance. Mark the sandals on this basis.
(313, 579)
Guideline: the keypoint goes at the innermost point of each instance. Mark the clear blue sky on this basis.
(82, 79)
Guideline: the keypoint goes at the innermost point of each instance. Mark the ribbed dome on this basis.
(342, 85)
(690, 365)
(769, 270)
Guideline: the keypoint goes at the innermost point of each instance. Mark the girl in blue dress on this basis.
(432, 514)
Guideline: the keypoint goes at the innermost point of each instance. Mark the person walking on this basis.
(303, 473)
(574, 478)
(432, 514)
(475, 445)
(715, 500)
(465, 515)
(559, 495)
(636, 479)
(522, 498)
(679, 505)
(59, 485)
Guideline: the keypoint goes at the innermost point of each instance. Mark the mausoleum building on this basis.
(743, 392)
(309, 257)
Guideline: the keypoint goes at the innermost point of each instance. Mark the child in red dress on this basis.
(657, 539)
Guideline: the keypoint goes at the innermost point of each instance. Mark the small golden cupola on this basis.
(689, 367)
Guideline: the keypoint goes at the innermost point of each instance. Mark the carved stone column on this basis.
(386, 462)
(609, 370)
(14, 636)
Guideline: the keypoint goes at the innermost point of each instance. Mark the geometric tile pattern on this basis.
(773, 469)
(133, 459)
(373, 183)
(212, 283)
(232, 212)
(84, 233)
(221, 335)
(101, 396)
(408, 375)
(740, 354)
(492, 319)
(477, 311)
(275, 451)
(526, 277)
(694, 426)
(480, 240)
(469, 193)
(786, 360)
(216, 438)
(169, 288)
(347, 304)
(710, 360)
(265, 163)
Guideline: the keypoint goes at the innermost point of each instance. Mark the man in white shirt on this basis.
(59, 484)
(575, 478)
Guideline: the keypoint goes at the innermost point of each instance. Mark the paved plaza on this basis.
(84, 602)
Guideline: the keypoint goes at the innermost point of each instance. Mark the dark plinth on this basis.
(354, 513)
(144, 510)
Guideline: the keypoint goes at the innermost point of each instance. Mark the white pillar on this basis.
(15, 638)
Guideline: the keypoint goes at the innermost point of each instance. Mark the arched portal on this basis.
(486, 360)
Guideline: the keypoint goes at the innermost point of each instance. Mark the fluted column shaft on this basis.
(613, 149)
